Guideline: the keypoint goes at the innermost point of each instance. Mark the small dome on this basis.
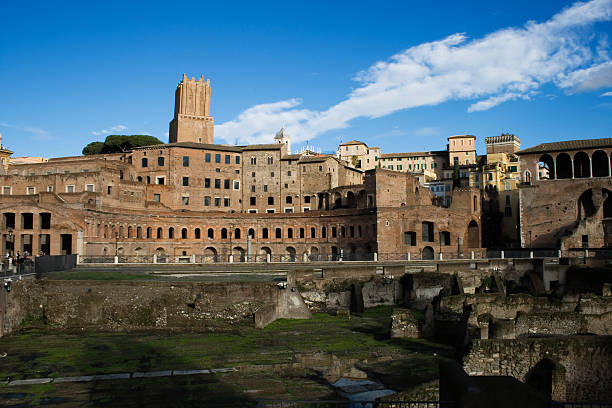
(281, 134)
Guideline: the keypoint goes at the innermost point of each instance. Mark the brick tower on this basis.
(192, 121)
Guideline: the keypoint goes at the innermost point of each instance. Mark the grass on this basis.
(98, 275)
(36, 352)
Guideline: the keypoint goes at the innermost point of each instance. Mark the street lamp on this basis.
(116, 241)
(440, 245)
(530, 240)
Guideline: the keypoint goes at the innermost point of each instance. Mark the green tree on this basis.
(120, 143)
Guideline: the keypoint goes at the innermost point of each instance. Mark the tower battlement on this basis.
(192, 121)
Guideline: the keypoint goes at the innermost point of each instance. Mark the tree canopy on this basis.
(120, 143)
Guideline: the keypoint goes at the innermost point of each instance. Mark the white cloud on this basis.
(112, 129)
(30, 129)
(426, 131)
(606, 94)
(508, 64)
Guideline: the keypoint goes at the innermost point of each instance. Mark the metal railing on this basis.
(583, 404)
(22, 267)
(265, 403)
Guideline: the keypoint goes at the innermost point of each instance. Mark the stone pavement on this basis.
(118, 376)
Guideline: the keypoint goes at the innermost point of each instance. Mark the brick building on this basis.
(192, 198)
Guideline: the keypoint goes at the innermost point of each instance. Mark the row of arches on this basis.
(580, 165)
(265, 233)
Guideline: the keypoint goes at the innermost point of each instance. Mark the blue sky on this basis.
(399, 75)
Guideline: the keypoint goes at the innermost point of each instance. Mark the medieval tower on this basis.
(192, 121)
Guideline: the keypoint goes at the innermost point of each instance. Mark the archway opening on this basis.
(473, 233)
(238, 254)
(210, 255)
(601, 164)
(427, 253)
(586, 206)
(546, 168)
(582, 165)
(290, 254)
(351, 200)
(540, 377)
(564, 166)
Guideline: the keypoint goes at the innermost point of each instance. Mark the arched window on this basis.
(564, 166)
(159, 233)
(290, 233)
(343, 231)
(138, 232)
(237, 233)
(129, 232)
(211, 233)
(546, 167)
(334, 232)
(582, 165)
(313, 232)
(252, 232)
(278, 233)
(184, 233)
(196, 233)
(149, 231)
(323, 232)
(301, 232)
(264, 233)
(171, 232)
(223, 233)
(601, 164)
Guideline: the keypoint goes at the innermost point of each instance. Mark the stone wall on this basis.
(124, 305)
(581, 365)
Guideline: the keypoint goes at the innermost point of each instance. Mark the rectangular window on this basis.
(207, 157)
(70, 188)
(217, 183)
(186, 200)
(270, 200)
(288, 210)
(217, 202)
(31, 190)
(270, 211)
(252, 174)
(237, 159)
(508, 211)
(207, 201)
(217, 158)
(89, 187)
(253, 160)
(236, 185)
(265, 188)
(252, 211)
(156, 198)
(252, 201)
(427, 232)
(206, 183)
(226, 184)
(226, 202)
(227, 159)
(252, 189)
(185, 181)
(160, 180)
(307, 199)
(289, 173)
(185, 161)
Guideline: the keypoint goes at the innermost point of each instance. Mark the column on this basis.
(572, 159)
(609, 168)
(590, 167)
(554, 165)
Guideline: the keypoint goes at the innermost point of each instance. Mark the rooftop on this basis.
(568, 145)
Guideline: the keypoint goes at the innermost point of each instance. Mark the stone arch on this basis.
(263, 254)
(337, 200)
(161, 254)
(160, 233)
(427, 253)
(138, 251)
(183, 233)
(351, 200)
(362, 199)
(548, 377)
(564, 166)
(582, 165)
(239, 254)
(473, 235)
(314, 254)
(546, 167)
(210, 255)
(197, 233)
(334, 253)
(601, 164)
(527, 177)
(290, 254)
(586, 206)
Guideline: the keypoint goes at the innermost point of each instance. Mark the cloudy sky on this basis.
(392, 74)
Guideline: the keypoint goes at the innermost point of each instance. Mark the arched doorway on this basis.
(210, 255)
(601, 164)
(314, 254)
(290, 254)
(161, 255)
(334, 253)
(337, 200)
(351, 200)
(473, 235)
(564, 166)
(546, 168)
(264, 252)
(586, 207)
(540, 377)
(582, 165)
(427, 253)
(238, 254)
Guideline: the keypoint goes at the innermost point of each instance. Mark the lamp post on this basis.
(530, 240)
(116, 241)
(230, 245)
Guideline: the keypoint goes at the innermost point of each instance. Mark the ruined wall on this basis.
(124, 305)
(582, 364)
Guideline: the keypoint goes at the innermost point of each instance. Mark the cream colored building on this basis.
(358, 155)
(430, 164)
(462, 149)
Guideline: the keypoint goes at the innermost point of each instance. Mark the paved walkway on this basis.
(119, 376)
